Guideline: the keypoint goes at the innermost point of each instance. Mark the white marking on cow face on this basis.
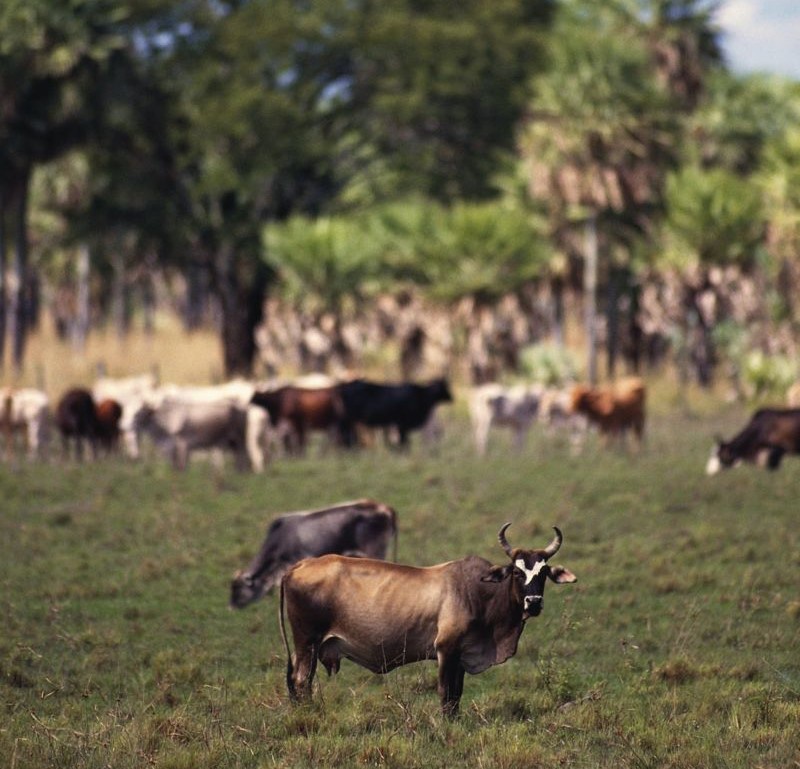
(713, 465)
(529, 573)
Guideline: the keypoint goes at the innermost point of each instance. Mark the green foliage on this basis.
(480, 250)
(765, 374)
(712, 217)
(739, 118)
(323, 264)
(677, 647)
(779, 178)
(437, 91)
(553, 365)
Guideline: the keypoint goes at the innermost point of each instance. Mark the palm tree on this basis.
(606, 125)
(597, 143)
(713, 218)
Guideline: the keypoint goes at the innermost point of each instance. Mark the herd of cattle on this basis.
(238, 416)
(341, 598)
(251, 420)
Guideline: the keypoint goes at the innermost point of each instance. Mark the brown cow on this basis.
(614, 409)
(466, 614)
(108, 413)
(296, 410)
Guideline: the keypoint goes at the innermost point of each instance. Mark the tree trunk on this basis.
(196, 294)
(19, 309)
(612, 320)
(119, 299)
(635, 334)
(242, 303)
(3, 264)
(80, 327)
(149, 295)
(590, 298)
(557, 291)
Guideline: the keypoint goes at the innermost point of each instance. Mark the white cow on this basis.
(237, 393)
(179, 426)
(25, 412)
(515, 407)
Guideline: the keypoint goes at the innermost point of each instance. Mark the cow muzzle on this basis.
(533, 605)
(713, 466)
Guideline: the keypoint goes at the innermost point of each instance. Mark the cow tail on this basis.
(289, 666)
(8, 408)
(395, 532)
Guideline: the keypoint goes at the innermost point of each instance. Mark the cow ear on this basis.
(498, 573)
(561, 576)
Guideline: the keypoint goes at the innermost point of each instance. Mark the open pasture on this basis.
(679, 646)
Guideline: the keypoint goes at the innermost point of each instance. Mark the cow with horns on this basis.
(466, 614)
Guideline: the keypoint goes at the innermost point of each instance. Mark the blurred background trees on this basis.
(419, 174)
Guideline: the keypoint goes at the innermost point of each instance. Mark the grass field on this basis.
(678, 647)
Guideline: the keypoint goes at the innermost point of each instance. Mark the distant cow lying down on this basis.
(767, 437)
(615, 409)
(360, 528)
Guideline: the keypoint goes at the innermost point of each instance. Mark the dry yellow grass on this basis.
(54, 365)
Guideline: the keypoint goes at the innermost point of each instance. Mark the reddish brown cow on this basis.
(300, 410)
(614, 409)
(108, 413)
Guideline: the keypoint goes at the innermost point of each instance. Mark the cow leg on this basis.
(639, 430)
(181, 454)
(481, 434)
(451, 682)
(520, 436)
(300, 674)
(402, 441)
(774, 458)
(300, 432)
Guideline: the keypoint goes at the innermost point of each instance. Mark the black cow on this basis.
(360, 528)
(769, 435)
(76, 418)
(404, 407)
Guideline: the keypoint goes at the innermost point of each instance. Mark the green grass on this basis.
(678, 647)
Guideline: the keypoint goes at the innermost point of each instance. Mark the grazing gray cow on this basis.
(179, 427)
(466, 614)
(515, 407)
(361, 528)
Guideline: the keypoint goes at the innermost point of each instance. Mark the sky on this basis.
(761, 35)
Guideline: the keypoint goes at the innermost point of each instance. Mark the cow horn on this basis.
(503, 541)
(553, 547)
